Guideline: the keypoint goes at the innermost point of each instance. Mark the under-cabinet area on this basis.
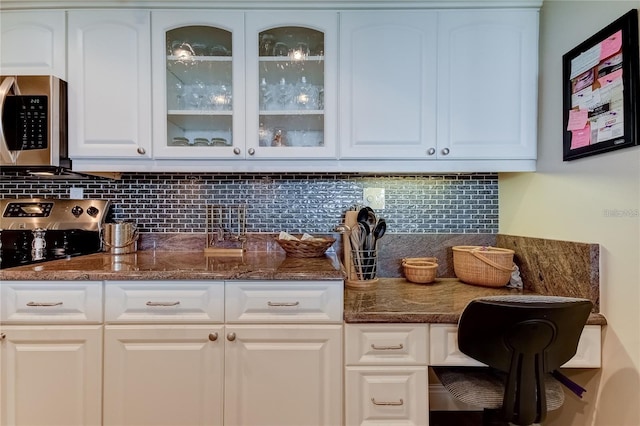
(230, 352)
(170, 354)
(238, 90)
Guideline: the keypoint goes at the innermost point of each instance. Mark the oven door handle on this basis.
(6, 156)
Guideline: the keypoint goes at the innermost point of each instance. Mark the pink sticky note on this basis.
(580, 138)
(610, 78)
(577, 119)
(611, 45)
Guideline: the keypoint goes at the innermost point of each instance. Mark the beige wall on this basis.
(571, 201)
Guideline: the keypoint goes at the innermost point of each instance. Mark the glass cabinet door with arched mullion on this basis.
(199, 87)
(198, 74)
(291, 85)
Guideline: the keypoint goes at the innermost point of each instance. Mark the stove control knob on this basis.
(76, 211)
(93, 211)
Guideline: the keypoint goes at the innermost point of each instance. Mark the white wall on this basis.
(570, 201)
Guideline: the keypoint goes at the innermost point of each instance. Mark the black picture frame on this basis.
(604, 81)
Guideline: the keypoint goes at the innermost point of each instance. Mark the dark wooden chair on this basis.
(523, 340)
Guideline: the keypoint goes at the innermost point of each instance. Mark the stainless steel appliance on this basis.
(40, 229)
(33, 123)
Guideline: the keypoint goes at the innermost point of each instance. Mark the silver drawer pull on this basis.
(38, 304)
(387, 348)
(401, 402)
(283, 303)
(163, 303)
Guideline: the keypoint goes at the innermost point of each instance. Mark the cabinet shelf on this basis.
(184, 59)
(205, 112)
(292, 112)
(289, 59)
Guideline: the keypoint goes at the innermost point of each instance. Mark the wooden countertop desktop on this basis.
(391, 300)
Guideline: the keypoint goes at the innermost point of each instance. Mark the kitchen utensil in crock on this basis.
(378, 231)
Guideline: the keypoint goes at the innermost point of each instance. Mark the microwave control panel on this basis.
(25, 122)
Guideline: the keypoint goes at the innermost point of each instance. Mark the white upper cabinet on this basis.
(487, 84)
(382, 90)
(198, 79)
(109, 84)
(291, 84)
(33, 43)
(387, 84)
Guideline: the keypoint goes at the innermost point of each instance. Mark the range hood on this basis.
(52, 173)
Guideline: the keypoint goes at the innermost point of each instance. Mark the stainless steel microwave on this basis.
(33, 128)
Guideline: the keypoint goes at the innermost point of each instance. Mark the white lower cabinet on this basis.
(283, 353)
(170, 359)
(163, 353)
(51, 375)
(283, 375)
(50, 353)
(163, 375)
(386, 374)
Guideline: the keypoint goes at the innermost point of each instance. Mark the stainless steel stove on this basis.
(40, 229)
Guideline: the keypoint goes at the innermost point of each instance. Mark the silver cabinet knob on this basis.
(236, 151)
(251, 151)
(213, 336)
(231, 337)
(141, 151)
(431, 151)
(445, 151)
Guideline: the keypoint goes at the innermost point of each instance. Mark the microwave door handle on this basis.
(6, 156)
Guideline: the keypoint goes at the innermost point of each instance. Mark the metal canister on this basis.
(120, 237)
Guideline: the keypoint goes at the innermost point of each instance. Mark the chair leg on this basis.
(492, 418)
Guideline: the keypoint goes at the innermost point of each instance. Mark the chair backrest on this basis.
(525, 337)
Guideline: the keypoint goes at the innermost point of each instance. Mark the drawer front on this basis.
(386, 395)
(444, 348)
(51, 302)
(399, 344)
(164, 301)
(284, 301)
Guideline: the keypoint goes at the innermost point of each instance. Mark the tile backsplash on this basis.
(293, 202)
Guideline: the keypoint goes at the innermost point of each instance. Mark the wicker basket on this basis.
(421, 270)
(306, 248)
(485, 266)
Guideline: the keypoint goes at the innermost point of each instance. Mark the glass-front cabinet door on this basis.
(291, 84)
(198, 72)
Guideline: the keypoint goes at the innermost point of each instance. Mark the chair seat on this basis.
(484, 387)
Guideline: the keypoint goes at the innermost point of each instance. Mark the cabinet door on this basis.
(198, 81)
(163, 375)
(291, 84)
(284, 375)
(387, 84)
(109, 84)
(487, 84)
(51, 375)
(33, 43)
(388, 395)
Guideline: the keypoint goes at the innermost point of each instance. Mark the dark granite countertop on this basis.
(391, 300)
(396, 300)
(181, 265)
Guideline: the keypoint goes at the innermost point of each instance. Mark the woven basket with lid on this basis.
(484, 266)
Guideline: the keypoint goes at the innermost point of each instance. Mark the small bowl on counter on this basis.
(420, 270)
